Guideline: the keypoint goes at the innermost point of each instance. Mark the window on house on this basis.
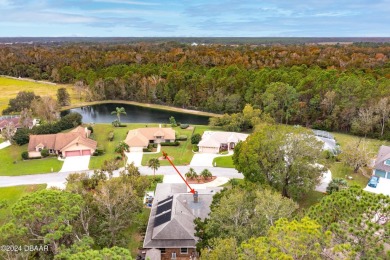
(162, 250)
(183, 250)
(173, 255)
(387, 162)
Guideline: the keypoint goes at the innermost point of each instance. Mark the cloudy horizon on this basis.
(212, 18)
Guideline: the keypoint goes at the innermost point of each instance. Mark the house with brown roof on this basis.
(170, 233)
(15, 121)
(140, 138)
(73, 143)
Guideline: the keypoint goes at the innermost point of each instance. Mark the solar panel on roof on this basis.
(164, 207)
(162, 219)
(163, 201)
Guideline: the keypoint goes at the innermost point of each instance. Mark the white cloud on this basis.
(125, 2)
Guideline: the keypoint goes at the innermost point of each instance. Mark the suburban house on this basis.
(170, 231)
(74, 143)
(5, 120)
(381, 169)
(214, 142)
(140, 138)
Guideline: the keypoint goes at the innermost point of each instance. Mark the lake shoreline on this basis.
(148, 105)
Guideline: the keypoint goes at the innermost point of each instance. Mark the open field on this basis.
(13, 165)
(10, 88)
(10, 195)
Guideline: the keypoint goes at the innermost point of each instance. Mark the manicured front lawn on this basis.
(181, 154)
(13, 165)
(100, 134)
(224, 162)
(10, 195)
(340, 170)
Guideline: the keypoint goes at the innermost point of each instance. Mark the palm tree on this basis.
(118, 111)
(154, 164)
(206, 174)
(121, 148)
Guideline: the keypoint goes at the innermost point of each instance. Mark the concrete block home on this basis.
(214, 142)
(171, 228)
(74, 143)
(140, 138)
(381, 169)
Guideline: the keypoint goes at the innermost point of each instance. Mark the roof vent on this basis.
(196, 197)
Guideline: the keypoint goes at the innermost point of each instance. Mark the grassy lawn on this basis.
(10, 195)
(310, 199)
(11, 87)
(135, 233)
(340, 170)
(181, 154)
(13, 165)
(100, 134)
(224, 162)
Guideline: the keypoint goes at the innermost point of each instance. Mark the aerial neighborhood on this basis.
(166, 151)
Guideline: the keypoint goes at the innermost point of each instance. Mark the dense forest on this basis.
(332, 87)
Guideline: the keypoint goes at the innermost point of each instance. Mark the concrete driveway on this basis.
(203, 159)
(4, 144)
(76, 163)
(135, 157)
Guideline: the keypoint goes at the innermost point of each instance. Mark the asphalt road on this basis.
(6, 181)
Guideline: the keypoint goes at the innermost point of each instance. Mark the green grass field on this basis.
(10, 195)
(13, 165)
(10, 88)
(224, 162)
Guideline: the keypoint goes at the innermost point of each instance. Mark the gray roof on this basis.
(383, 155)
(215, 139)
(179, 230)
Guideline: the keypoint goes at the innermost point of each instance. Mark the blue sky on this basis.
(197, 18)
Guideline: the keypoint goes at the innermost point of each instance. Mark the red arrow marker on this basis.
(169, 160)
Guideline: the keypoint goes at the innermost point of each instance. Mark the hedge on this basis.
(181, 138)
(184, 126)
(176, 143)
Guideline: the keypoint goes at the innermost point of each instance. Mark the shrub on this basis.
(45, 153)
(195, 139)
(146, 150)
(98, 152)
(184, 126)
(181, 138)
(90, 129)
(111, 136)
(206, 174)
(116, 123)
(176, 143)
(195, 148)
(24, 155)
(21, 136)
(154, 145)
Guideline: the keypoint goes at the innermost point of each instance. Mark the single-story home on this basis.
(73, 143)
(381, 169)
(214, 142)
(329, 143)
(140, 138)
(170, 233)
(15, 120)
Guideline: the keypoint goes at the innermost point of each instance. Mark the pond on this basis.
(135, 114)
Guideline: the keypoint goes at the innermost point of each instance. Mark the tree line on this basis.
(327, 87)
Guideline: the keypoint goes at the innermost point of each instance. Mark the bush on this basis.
(154, 145)
(195, 139)
(111, 136)
(90, 129)
(195, 148)
(98, 152)
(146, 150)
(116, 123)
(176, 143)
(21, 136)
(181, 138)
(184, 126)
(24, 155)
(45, 153)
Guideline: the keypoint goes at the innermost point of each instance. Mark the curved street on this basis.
(55, 179)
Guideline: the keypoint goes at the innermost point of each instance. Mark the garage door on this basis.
(72, 153)
(208, 150)
(86, 152)
(136, 149)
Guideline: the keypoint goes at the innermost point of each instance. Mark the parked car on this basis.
(373, 181)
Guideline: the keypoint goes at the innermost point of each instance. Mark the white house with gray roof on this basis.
(382, 170)
(214, 142)
(171, 230)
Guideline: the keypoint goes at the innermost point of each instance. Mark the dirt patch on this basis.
(190, 128)
(200, 180)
